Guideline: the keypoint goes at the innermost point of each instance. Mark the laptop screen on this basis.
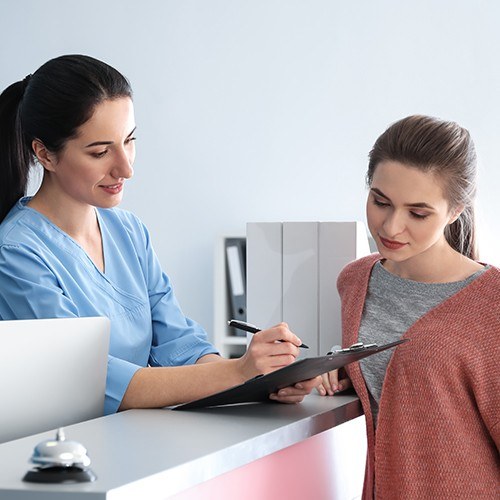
(52, 373)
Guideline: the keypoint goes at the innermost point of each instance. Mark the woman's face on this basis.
(93, 166)
(406, 212)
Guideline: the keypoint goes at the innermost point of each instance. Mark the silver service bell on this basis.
(60, 461)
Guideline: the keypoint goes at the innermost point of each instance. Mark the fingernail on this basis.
(299, 386)
(282, 393)
(335, 388)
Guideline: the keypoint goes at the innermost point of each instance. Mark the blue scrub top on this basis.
(44, 273)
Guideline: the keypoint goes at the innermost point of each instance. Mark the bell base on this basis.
(59, 474)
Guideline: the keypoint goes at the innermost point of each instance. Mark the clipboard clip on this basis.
(358, 346)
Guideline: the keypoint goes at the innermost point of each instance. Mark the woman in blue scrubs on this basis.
(69, 252)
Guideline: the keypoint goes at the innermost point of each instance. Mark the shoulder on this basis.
(472, 317)
(23, 225)
(492, 275)
(357, 270)
(484, 291)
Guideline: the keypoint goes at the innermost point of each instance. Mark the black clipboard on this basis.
(258, 389)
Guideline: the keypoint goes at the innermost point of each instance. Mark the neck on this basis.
(78, 220)
(438, 264)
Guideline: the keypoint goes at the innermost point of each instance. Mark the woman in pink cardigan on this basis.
(432, 405)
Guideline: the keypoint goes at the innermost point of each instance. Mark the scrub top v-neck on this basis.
(44, 273)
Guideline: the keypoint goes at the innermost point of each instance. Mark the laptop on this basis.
(52, 373)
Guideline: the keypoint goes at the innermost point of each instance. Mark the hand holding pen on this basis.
(269, 350)
(248, 327)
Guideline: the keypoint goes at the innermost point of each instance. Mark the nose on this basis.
(123, 165)
(394, 224)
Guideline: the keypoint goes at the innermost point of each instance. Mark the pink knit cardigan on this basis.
(438, 432)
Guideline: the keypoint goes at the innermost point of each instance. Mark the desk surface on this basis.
(139, 452)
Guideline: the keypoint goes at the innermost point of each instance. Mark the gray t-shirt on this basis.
(391, 307)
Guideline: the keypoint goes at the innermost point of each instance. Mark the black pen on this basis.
(247, 327)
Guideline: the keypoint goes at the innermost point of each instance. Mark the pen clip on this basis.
(358, 346)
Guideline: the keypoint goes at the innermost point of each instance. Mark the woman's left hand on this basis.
(297, 392)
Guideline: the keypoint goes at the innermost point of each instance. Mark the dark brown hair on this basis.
(445, 149)
(49, 106)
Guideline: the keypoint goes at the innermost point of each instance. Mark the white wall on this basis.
(266, 109)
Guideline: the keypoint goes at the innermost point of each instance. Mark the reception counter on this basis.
(257, 451)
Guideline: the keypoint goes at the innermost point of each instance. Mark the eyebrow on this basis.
(415, 205)
(106, 143)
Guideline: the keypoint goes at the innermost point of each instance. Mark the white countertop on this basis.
(140, 451)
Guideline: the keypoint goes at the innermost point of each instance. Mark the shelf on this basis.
(229, 346)
(233, 339)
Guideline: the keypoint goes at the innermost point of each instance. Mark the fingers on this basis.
(278, 333)
(321, 390)
(297, 392)
(272, 356)
(292, 398)
(325, 382)
(269, 350)
(308, 385)
(331, 383)
(344, 384)
(273, 348)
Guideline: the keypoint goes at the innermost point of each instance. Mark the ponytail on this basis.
(461, 234)
(15, 154)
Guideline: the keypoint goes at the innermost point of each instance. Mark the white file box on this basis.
(292, 270)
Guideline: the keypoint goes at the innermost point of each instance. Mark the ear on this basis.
(43, 155)
(455, 214)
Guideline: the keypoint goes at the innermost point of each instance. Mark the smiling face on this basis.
(92, 167)
(407, 213)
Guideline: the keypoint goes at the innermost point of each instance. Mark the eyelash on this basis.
(418, 216)
(101, 154)
(412, 214)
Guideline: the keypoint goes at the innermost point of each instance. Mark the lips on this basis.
(113, 188)
(390, 244)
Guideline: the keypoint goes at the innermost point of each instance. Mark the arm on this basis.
(166, 386)
(209, 358)
(178, 342)
(293, 394)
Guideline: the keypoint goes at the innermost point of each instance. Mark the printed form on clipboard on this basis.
(258, 389)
